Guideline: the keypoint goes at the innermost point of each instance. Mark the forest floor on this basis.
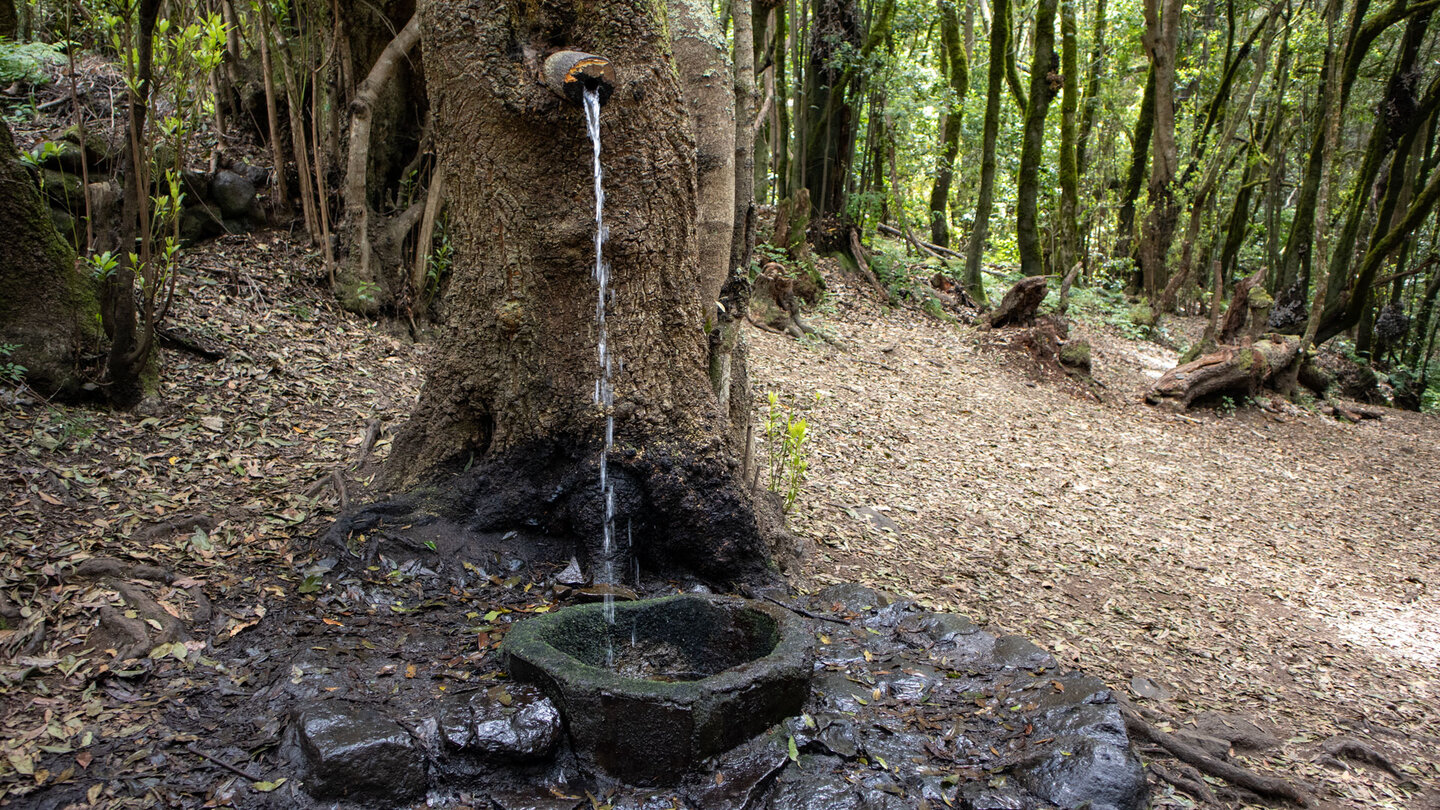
(1277, 565)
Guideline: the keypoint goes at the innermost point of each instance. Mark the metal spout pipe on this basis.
(571, 73)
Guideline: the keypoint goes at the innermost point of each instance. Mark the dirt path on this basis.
(1280, 566)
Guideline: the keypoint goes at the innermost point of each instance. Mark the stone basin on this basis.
(692, 676)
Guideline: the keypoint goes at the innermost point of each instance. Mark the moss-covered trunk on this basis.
(47, 308)
(1044, 81)
(956, 70)
(985, 198)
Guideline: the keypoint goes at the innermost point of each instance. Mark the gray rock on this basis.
(852, 597)
(812, 785)
(942, 627)
(232, 193)
(63, 190)
(197, 223)
(984, 796)
(1021, 653)
(514, 722)
(746, 772)
(352, 752)
(1083, 772)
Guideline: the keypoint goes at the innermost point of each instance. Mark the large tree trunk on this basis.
(47, 308)
(510, 392)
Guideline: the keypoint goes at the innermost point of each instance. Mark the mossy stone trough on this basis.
(690, 676)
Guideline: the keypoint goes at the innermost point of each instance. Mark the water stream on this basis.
(604, 392)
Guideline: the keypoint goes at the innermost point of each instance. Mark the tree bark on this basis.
(509, 392)
(1162, 36)
(1068, 243)
(1135, 179)
(705, 77)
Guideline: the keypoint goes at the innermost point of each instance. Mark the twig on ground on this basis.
(222, 763)
(807, 614)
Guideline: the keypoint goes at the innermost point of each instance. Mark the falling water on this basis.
(604, 393)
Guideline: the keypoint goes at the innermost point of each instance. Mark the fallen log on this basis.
(1241, 369)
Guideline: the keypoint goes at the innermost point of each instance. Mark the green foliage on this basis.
(438, 263)
(103, 265)
(786, 437)
(26, 62)
(367, 292)
(10, 371)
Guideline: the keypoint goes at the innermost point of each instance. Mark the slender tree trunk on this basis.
(272, 110)
(1162, 36)
(1206, 188)
(1044, 79)
(132, 335)
(358, 280)
(1068, 243)
(957, 73)
(743, 228)
(1092, 90)
(1135, 179)
(1330, 135)
(984, 201)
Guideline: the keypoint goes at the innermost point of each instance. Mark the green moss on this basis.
(1259, 299)
(1246, 359)
(1076, 354)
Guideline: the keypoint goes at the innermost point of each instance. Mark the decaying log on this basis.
(1248, 313)
(1020, 303)
(1239, 369)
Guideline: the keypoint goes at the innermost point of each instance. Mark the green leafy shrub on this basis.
(786, 437)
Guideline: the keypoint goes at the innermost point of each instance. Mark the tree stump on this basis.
(1020, 303)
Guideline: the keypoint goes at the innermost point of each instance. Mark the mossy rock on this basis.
(1076, 354)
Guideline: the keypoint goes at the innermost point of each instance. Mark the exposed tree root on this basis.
(1265, 786)
(152, 624)
(1192, 784)
(1351, 748)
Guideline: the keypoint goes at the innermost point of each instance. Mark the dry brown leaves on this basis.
(232, 446)
(1281, 565)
